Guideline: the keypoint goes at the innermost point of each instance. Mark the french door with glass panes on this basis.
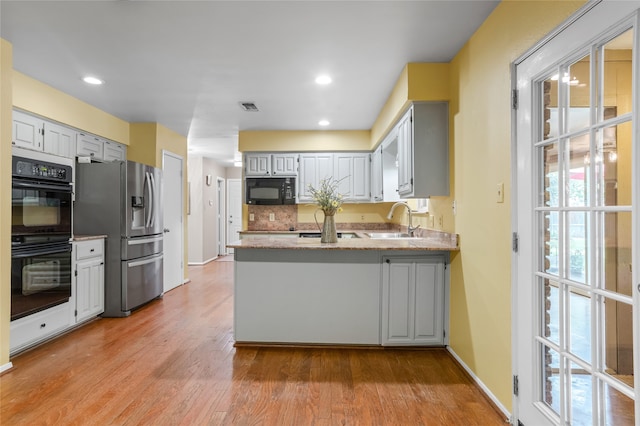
(575, 318)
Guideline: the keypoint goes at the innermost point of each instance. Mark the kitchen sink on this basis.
(388, 235)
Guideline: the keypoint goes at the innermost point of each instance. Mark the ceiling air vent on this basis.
(249, 106)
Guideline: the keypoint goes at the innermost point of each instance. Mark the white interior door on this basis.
(234, 210)
(575, 313)
(222, 229)
(172, 196)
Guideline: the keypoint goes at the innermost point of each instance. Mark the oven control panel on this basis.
(25, 167)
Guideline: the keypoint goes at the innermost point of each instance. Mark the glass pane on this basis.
(618, 408)
(550, 194)
(617, 73)
(618, 340)
(577, 246)
(550, 242)
(581, 390)
(577, 172)
(550, 107)
(580, 325)
(551, 378)
(614, 165)
(615, 253)
(551, 311)
(577, 82)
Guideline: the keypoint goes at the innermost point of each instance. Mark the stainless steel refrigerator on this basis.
(122, 200)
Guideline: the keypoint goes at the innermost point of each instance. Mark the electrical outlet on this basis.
(251, 217)
(431, 221)
(272, 217)
(500, 193)
(440, 220)
(362, 218)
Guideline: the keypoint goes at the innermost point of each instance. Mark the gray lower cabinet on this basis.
(413, 300)
(89, 276)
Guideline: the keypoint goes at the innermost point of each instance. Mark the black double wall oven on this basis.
(41, 228)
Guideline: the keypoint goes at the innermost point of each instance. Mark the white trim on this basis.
(202, 263)
(6, 367)
(481, 385)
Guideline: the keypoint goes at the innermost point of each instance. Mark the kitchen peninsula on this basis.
(358, 291)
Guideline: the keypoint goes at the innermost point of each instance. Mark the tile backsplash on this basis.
(285, 218)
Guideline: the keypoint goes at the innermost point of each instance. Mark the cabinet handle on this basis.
(43, 325)
(388, 260)
(92, 250)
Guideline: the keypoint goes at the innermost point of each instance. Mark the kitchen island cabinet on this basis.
(300, 291)
(89, 278)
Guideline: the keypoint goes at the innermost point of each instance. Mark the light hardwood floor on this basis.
(173, 362)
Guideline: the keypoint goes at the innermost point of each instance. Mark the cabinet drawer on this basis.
(89, 249)
(39, 326)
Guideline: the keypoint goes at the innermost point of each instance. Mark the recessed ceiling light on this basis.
(92, 80)
(323, 79)
(323, 122)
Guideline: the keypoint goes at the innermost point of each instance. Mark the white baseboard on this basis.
(6, 367)
(202, 263)
(482, 386)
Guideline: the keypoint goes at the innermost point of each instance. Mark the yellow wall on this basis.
(300, 141)
(351, 213)
(480, 303)
(143, 143)
(39, 98)
(417, 82)
(6, 73)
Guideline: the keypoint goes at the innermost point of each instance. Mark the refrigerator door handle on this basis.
(144, 262)
(133, 242)
(153, 200)
(149, 206)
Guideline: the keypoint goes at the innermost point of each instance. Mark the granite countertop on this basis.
(87, 237)
(429, 240)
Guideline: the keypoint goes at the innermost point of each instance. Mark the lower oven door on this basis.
(40, 278)
(142, 280)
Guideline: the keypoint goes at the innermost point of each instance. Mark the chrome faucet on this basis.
(410, 228)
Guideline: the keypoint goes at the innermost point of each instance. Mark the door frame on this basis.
(221, 216)
(230, 180)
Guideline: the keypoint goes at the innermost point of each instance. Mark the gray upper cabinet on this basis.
(59, 140)
(284, 164)
(353, 171)
(114, 151)
(423, 150)
(265, 164)
(376, 175)
(90, 146)
(313, 168)
(28, 131)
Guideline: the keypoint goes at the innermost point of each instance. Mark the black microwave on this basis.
(263, 191)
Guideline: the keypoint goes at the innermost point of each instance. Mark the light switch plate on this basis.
(500, 193)
(272, 217)
(251, 217)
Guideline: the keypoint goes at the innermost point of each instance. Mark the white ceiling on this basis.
(188, 64)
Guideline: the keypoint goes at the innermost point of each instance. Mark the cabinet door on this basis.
(114, 151)
(429, 303)
(398, 292)
(59, 140)
(89, 146)
(89, 289)
(258, 165)
(376, 175)
(361, 177)
(313, 168)
(413, 302)
(28, 131)
(343, 171)
(284, 165)
(405, 154)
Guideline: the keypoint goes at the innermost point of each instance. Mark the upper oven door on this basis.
(40, 211)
